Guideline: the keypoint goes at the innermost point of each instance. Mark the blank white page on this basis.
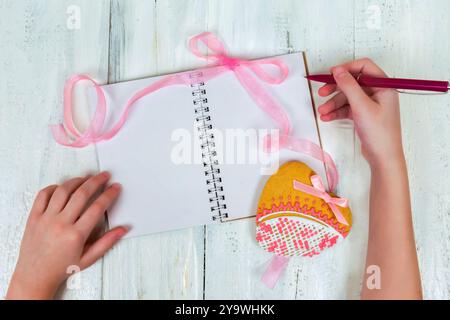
(232, 107)
(157, 194)
(160, 194)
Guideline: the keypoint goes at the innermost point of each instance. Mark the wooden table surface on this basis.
(43, 42)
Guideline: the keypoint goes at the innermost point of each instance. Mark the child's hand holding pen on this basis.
(376, 116)
(374, 111)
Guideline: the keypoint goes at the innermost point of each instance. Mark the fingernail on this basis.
(105, 174)
(116, 185)
(339, 72)
(123, 231)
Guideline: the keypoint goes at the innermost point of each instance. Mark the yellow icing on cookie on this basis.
(279, 195)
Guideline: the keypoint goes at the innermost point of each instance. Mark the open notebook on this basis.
(174, 157)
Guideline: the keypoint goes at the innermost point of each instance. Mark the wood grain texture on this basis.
(274, 28)
(127, 39)
(143, 43)
(408, 43)
(234, 262)
(37, 53)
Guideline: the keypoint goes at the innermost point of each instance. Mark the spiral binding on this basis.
(207, 145)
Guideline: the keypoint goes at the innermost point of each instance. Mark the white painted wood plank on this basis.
(149, 38)
(328, 38)
(38, 51)
(410, 43)
(234, 262)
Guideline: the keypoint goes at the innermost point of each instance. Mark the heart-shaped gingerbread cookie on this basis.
(296, 216)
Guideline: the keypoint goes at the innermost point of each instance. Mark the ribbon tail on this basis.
(273, 272)
(306, 188)
(315, 151)
(60, 135)
(265, 101)
(338, 214)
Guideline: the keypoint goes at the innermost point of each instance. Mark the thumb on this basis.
(351, 88)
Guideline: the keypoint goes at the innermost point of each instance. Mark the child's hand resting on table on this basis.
(374, 111)
(61, 220)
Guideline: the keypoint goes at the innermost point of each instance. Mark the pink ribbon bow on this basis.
(247, 72)
(67, 134)
(318, 190)
(250, 74)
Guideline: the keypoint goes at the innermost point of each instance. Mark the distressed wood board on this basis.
(117, 40)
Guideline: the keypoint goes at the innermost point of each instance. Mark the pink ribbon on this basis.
(273, 272)
(278, 263)
(247, 72)
(315, 151)
(66, 134)
(318, 190)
